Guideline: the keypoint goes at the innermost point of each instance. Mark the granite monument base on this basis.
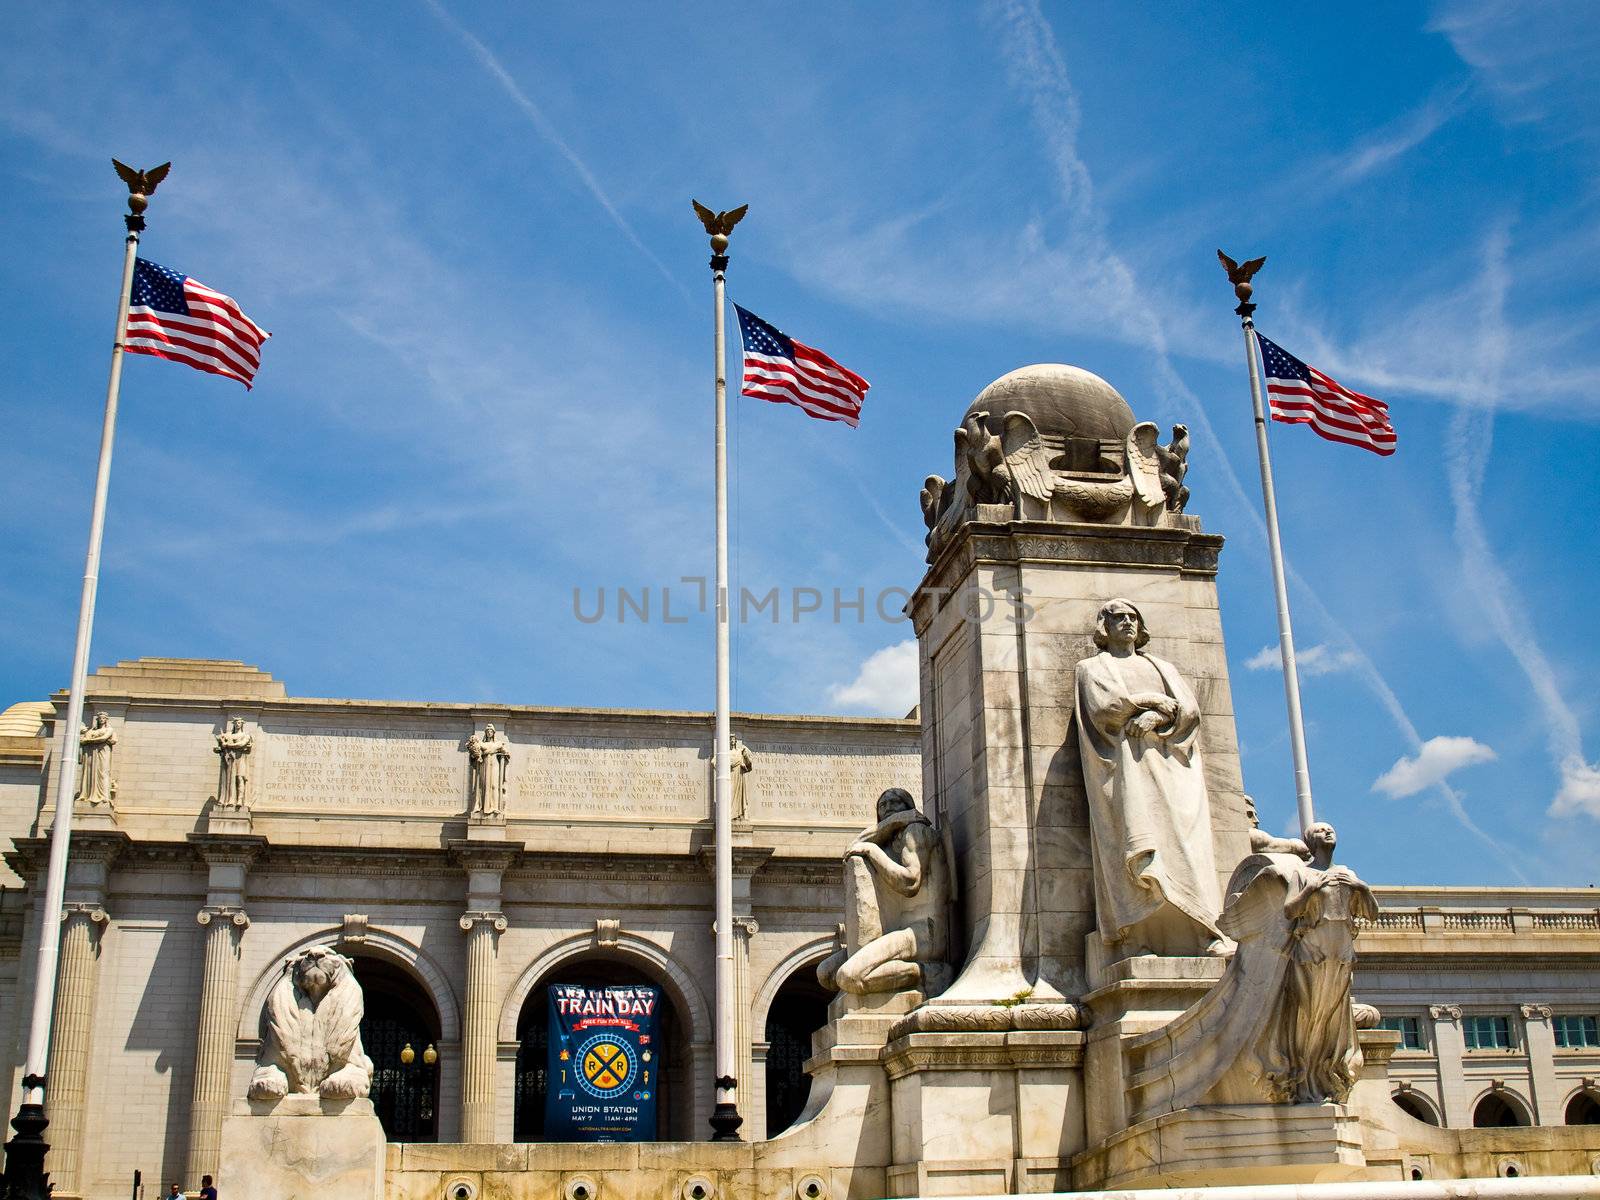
(303, 1148)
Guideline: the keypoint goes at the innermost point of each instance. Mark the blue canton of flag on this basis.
(175, 317)
(780, 369)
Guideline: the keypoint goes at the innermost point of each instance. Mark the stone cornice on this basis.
(484, 856)
(677, 721)
(919, 1052)
(747, 860)
(228, 848)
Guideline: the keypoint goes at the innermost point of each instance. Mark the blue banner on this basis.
(604, 1064)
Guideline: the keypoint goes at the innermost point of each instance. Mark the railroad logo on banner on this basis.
(608, 1066)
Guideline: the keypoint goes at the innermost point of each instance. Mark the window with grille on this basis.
(1574, 1032)
(1409, 1029)
(1486, 1033)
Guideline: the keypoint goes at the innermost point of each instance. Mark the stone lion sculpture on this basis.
(313, 1031)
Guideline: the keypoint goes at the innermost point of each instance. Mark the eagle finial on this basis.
(141, 186)
(719, 224)
(1240, 274)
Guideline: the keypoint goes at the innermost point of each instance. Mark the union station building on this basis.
(355, 831)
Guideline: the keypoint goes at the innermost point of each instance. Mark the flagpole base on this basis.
(725, 1121)
(25, 1177)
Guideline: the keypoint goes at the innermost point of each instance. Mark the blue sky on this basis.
(468, 230)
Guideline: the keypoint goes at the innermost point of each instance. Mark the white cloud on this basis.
(1437, 759)
(1310, 660)
(885, 686)
(1580, 790)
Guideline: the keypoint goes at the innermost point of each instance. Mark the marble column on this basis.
(1544, 1092)
(213, 1058)
(70, 1037)
(480, 1038)
(1449, 1048)
(744, 929)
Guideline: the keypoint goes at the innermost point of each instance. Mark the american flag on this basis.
(1299, 394)
(173, 316)
(780, 369)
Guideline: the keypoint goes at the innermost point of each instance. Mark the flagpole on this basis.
(31, 1114)
(1240, 278)
(725, 1118)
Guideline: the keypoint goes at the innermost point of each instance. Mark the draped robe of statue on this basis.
(1149, 816)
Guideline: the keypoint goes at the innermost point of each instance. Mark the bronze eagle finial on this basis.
(141, 184)
(1239, 274)
(719, 223)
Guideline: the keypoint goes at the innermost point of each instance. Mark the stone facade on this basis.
(358, 833)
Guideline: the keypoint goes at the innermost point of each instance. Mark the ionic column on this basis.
(1449, 1048)
(213, 1057)
(480, 1038)
(70, 1033)
(744, 928)
(1544, 1092)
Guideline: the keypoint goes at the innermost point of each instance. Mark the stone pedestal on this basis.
(303, 1148)
(1130, 998)
(1003, 616)
(976, 1113)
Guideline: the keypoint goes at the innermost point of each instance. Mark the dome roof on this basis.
(1062, 400)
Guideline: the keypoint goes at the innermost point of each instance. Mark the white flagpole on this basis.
(44, 972)
(1240, 278)
(725, 1119)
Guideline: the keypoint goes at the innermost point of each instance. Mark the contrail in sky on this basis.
(536, 117)
(1040, 72)
(1467, 447)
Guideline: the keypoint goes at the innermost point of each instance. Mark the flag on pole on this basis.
(1299, 394)
(780, 369)
(174, 316)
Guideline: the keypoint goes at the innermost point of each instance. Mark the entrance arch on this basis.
(1413, 1105)
(399, 1016)
(1584, 1108)
(674, 1084)
(1499, 1109)
(798, 1009)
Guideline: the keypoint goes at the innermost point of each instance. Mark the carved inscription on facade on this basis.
(317, 767)
(805, 787)
(587, 777)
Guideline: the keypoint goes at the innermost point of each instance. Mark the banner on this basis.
(604, 1064)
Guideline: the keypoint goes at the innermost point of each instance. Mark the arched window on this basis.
(1498, 1110)
(674, 1118)
(400, 1013)
(798, 1010)
(1414, 1106)
(1583, 1109)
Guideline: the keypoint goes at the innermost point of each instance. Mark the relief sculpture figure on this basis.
(312, 1043)
(95, 785)
(489, 757)
(234, 746)
(898, 889)
(1139, 733)
(740, 764)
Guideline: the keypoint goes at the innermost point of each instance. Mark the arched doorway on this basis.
(1583, 1109)
(399, 1013)
(1497, 1111)
(1414, 1106)
(674, 1115)
(798, 1010)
